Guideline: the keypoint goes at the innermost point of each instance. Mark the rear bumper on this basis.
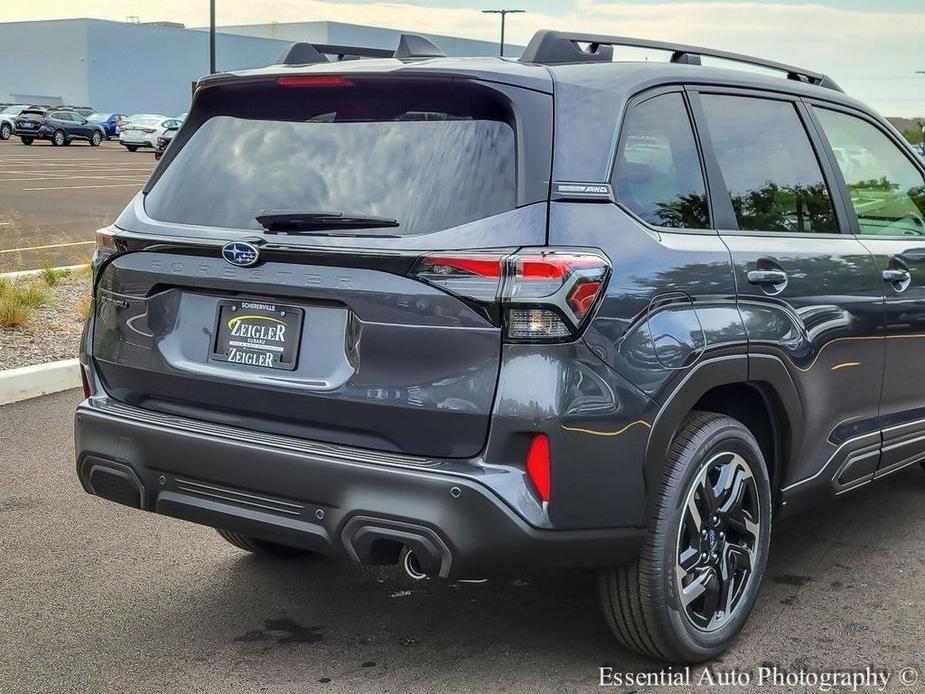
(323, 498)
(37, 133)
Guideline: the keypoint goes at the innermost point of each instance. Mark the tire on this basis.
(643, 602)
(6, 132)
(95, 139)
(131, 148)
(264, 547)
(59, 139)
(26, 140)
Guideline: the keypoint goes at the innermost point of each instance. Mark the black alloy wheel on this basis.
(690, 592)
(717, 540)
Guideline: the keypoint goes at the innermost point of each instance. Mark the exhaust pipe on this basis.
(409, 562)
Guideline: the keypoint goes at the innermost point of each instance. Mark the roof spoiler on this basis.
(560, 47)
(410, 47)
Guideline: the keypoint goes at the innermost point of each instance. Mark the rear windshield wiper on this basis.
(313, 223)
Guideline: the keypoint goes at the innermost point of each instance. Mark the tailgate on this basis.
(382, 362)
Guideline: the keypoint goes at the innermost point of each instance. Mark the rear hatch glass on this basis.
(428, 157)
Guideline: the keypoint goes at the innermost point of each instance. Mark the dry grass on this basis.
(83, 307)
(54, 275)
(18, 301)
(13, 314)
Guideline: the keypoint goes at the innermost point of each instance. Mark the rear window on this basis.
(430, 155)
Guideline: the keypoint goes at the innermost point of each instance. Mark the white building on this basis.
(132, 68)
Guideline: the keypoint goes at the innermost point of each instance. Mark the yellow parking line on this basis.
(41, 248)
(108, 185)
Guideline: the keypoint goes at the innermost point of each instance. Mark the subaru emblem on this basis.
(240, 253)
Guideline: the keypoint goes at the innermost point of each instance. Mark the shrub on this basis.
(13, 312)
(32, 294)
(54, 275)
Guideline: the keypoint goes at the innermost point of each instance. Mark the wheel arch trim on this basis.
(765, 372)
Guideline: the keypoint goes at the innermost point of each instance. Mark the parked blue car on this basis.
(109, 121)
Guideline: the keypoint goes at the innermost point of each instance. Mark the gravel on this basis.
(53, 331)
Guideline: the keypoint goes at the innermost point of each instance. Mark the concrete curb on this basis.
(33, 273)
(41, 379)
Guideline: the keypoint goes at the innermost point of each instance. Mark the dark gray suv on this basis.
(484, 316)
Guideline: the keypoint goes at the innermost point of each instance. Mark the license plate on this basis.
(256, 333)
(27, 125)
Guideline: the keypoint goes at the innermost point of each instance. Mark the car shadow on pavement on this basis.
(364, 620)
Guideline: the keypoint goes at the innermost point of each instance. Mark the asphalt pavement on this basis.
(95, 597)
(52, 199)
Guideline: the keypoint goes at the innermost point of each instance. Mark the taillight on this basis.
(106, 247)
(86, 381)
(313, 81)
(545, 294)
(475, 275)
(538, 466)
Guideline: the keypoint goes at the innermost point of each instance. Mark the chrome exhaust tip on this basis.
(409, 562)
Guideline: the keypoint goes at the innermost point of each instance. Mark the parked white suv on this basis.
(6, 120)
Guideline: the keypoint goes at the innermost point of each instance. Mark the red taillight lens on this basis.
(583, 295)
(87, 381)
(313, 81)
(546, 294)
(472, 275)
(538, 469)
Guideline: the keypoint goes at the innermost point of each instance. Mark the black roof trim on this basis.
(410, 47)
(549, 47)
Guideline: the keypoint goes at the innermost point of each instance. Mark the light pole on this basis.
(211, 37)
(503, 13)
(921, 125)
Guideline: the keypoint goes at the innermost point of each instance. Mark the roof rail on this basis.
(557, 47)
(410, 47)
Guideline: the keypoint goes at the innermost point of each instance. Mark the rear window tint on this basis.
(429, 156)
(658, 172)
(769, 166)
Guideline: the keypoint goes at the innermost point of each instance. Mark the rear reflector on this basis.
(313, 81)
(538, 466)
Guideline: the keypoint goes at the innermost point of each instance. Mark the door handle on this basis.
(772, 277)
(896, 275)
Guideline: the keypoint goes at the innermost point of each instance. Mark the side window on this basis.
(658, 174)
(887, 191)
(769, 166)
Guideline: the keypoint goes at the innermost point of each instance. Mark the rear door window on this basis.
(429, 156)
(887, 191)
(658, 173)
(769, 166)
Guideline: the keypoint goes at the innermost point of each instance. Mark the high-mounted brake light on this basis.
(538, 467)
(313, 81)
(546, 294)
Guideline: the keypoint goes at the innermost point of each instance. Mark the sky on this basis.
(872, 48)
